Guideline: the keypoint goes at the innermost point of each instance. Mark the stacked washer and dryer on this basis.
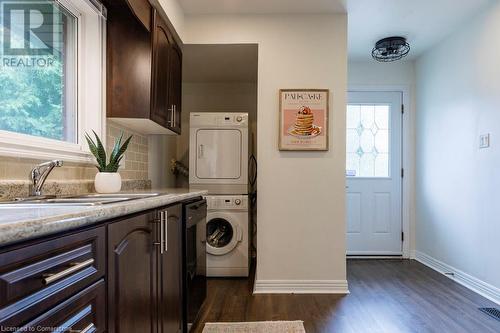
(218, 162)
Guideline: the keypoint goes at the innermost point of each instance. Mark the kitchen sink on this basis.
(80, 200)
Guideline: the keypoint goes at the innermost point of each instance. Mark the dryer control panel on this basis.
(230, 202)
(218, 120)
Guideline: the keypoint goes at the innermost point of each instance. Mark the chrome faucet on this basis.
(39, 174)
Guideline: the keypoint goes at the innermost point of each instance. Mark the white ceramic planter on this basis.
(108, 182)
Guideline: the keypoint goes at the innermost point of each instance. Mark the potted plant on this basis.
(107, 180)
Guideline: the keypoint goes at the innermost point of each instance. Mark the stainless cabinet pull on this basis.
(171, 110)
(175, 111)
(49, 278)
(162, 233)
(87, 329)
(165, 229)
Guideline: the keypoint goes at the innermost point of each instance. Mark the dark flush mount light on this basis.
(390, 49)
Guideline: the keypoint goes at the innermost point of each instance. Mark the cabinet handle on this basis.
(87, 329)
(165, 230)
(162, 233)
(50, 278)
(174, 114)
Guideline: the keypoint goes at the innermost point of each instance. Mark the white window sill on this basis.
(25, 146)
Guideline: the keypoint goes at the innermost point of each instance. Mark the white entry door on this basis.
(374, 173)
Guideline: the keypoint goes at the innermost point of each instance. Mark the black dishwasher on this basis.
(194, 259)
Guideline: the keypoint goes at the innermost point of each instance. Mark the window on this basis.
(368, 134)
(50, 77)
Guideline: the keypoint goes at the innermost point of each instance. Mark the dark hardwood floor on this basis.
(389, 296)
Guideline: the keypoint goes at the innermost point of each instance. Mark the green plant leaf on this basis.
(122, 150)
(101, 151)
(95, 151)
(116, 148)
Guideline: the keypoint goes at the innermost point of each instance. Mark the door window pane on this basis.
(38, 67)
(368, 135)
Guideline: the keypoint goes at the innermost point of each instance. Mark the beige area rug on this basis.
(256, 327)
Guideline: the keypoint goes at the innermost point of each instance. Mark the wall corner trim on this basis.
(482, 288)
(301, 287)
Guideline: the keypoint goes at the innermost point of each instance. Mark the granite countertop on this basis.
(18, 224)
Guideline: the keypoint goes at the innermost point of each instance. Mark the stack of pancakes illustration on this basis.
(304, 123)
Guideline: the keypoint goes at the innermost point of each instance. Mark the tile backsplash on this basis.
(134, 167)
(135, 162)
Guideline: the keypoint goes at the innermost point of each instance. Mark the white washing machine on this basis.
(227, 236)
(218, 152)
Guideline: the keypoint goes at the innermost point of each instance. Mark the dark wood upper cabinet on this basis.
(162, 111)
(144, 69)
(175, 86)
(142, 11)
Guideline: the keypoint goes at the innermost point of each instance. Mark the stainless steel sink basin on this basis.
(81, 200)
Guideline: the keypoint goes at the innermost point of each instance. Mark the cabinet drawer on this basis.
(84, 312)
(39, 276)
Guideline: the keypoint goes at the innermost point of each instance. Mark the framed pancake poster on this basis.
(304, 119)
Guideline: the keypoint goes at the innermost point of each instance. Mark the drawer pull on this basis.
(87, 329)
(49, 278)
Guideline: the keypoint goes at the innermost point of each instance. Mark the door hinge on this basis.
(402, 236)
(402, 173)
(402, 108)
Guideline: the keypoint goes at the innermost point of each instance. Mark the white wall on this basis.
(174, 13)
(458, 197)
(401, 74)
(301, 215)
(373, 73)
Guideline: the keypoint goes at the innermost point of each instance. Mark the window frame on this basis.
(90, 92)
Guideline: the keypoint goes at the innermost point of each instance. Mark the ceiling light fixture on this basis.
(390, 49)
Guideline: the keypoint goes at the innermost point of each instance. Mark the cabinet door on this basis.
(39, 276)
(84, 312)
(170, 297)
(175, 86)
(162, 111)
(132, 275)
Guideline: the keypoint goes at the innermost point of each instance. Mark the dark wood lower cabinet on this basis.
(84, 312)
(121, 277)
(144, 273)
(170, 296)
(132, 271)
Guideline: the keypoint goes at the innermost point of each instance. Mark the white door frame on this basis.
(408, 159)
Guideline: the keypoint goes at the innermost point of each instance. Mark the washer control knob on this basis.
(239, 119)
(237, 202)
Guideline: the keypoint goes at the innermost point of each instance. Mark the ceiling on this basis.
(262, 6)
(220, 63)
(423, 22)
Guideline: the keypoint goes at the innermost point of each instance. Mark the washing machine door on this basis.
(223, 233)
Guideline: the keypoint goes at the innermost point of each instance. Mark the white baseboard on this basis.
(301, 287)
(482, 288)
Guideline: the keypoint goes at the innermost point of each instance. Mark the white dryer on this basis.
(227, 236)
(218, 152)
